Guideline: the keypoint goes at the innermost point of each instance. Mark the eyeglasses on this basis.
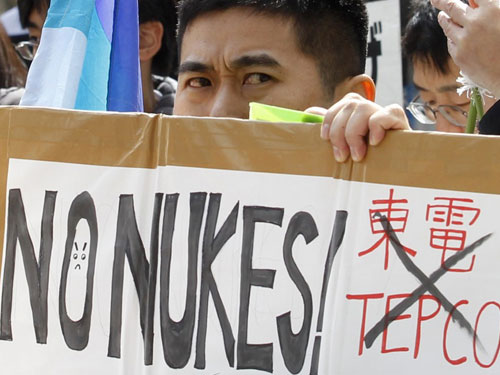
(27, 49)
(425, 114)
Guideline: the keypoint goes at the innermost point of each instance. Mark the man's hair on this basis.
(27, 6)
(424, 40)
(163, 11)
(333, 32)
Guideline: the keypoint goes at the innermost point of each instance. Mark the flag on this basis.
(88, 57)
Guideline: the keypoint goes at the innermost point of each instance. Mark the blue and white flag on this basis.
(88, 57)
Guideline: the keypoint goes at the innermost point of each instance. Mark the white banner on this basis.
(110, 270)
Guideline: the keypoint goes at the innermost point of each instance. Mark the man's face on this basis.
(36, 20)
(233, 57)
(438, 89)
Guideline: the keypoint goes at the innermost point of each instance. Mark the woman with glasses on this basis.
(434, 73)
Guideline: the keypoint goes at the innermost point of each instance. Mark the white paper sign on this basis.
(384, 62)
(185, 270)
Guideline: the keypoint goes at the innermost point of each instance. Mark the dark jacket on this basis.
(490, 123)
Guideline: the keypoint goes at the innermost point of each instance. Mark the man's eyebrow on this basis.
(419, 88)
(255, 60)
(448, 88)
(194, 66)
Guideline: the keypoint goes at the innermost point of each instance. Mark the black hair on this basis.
(424, 40)
(333, 32)
(27, 6)
(164, 11)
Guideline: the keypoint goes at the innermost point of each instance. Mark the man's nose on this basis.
(442, 124)
(228, 102)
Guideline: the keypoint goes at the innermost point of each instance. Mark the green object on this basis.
(269, 113)
(479, 103)
(476, 111)
(471, 118)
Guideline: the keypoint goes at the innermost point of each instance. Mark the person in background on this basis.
(157, 47)
(158, 54)
(12, 72)
(473, 36)
(32, 14)
(434, 72)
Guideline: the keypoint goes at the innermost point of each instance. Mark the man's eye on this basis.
(430, 102)
(199, 82)
(256, 78)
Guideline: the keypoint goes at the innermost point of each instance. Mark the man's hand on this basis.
(473, 39)
(355, 121)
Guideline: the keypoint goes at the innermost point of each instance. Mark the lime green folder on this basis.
(269, 113)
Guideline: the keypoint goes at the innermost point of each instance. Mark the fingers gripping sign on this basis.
(391, 117)
(346, 126)
(354, 121)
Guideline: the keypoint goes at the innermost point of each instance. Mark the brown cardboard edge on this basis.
(458, 162)
(440, 161)
(420, 159)
(145, 141)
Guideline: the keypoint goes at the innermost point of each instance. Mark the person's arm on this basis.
(474, 39)
(354, 121)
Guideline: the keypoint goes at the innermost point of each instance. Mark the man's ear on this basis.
(150, 39)
(361, 84)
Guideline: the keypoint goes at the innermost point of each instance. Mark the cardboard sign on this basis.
(148, 244)
(384, 62)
